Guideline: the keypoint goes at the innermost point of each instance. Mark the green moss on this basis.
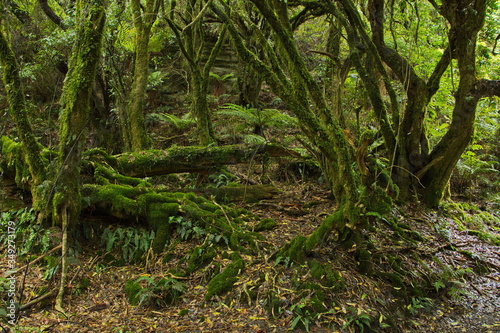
(293, 250)
(266, 224)
(162, 237)
(333, 222)
(327, 276)
(193, 211)
(208, 206)
(119, 197)
(132, 290)
(225, 280)
(12, 162)
(105, 175)
(364, 260)
(158, 213)
(200, 257)
(379, 201)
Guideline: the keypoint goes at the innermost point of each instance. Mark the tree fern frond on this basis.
(178, 122)
(254, 139)
(238, 111)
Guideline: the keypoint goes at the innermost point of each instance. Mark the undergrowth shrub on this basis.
(157, 292)
(126, 245)
(21, 226)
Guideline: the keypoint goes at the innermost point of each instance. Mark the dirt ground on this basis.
(469, 303)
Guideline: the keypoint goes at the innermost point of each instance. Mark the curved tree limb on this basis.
(56, 19)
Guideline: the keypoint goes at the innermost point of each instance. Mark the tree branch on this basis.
(487, 88)
(51, 14)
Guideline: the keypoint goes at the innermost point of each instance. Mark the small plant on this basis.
(186, 229)
(451, 280)
(258, 119)
(421, 303)
(30, 237)
(222, 179)
(359, 319)
(132, 242)
(474, 171)
(148, 291)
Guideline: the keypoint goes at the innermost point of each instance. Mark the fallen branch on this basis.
(193, 159)
(50, 294)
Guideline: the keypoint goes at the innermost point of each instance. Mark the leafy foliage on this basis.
(179, 123)
(130, 244)
(30, 236)
(148, 291)
(258, 119)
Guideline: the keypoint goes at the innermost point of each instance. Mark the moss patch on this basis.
(225, 280)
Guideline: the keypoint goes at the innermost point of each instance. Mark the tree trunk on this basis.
(17, 109)
(199, 93)
(135, 136)
(298, 89)
(75, 100)
(191, 41)
(466, 19)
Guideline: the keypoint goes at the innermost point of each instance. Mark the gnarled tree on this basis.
(191, 37)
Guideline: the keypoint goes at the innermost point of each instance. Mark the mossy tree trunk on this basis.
(249, 79)
(192, 42)
(133, 125)
(295, 85)
(17, 110)
(336, 71)
(466, 19)
(418, 169)
(74, 119)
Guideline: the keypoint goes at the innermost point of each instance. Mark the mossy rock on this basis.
(266, 224)
(224, 281)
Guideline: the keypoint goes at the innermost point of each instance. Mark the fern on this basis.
(258, 118)
(221, 78)
(179, 123)
(254, 139)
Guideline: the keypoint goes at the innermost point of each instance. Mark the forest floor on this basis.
(466, 297)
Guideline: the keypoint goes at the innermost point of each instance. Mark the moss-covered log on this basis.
(166, 212)
(247, 193)
(192, 159)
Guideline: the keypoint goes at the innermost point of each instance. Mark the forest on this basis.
(250, 166)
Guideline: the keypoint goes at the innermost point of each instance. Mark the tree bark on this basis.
(77, 91)
(466, 19)
(133, 125)
(17, 109)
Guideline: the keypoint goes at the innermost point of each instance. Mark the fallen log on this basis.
(246, 193)
(193, 159)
